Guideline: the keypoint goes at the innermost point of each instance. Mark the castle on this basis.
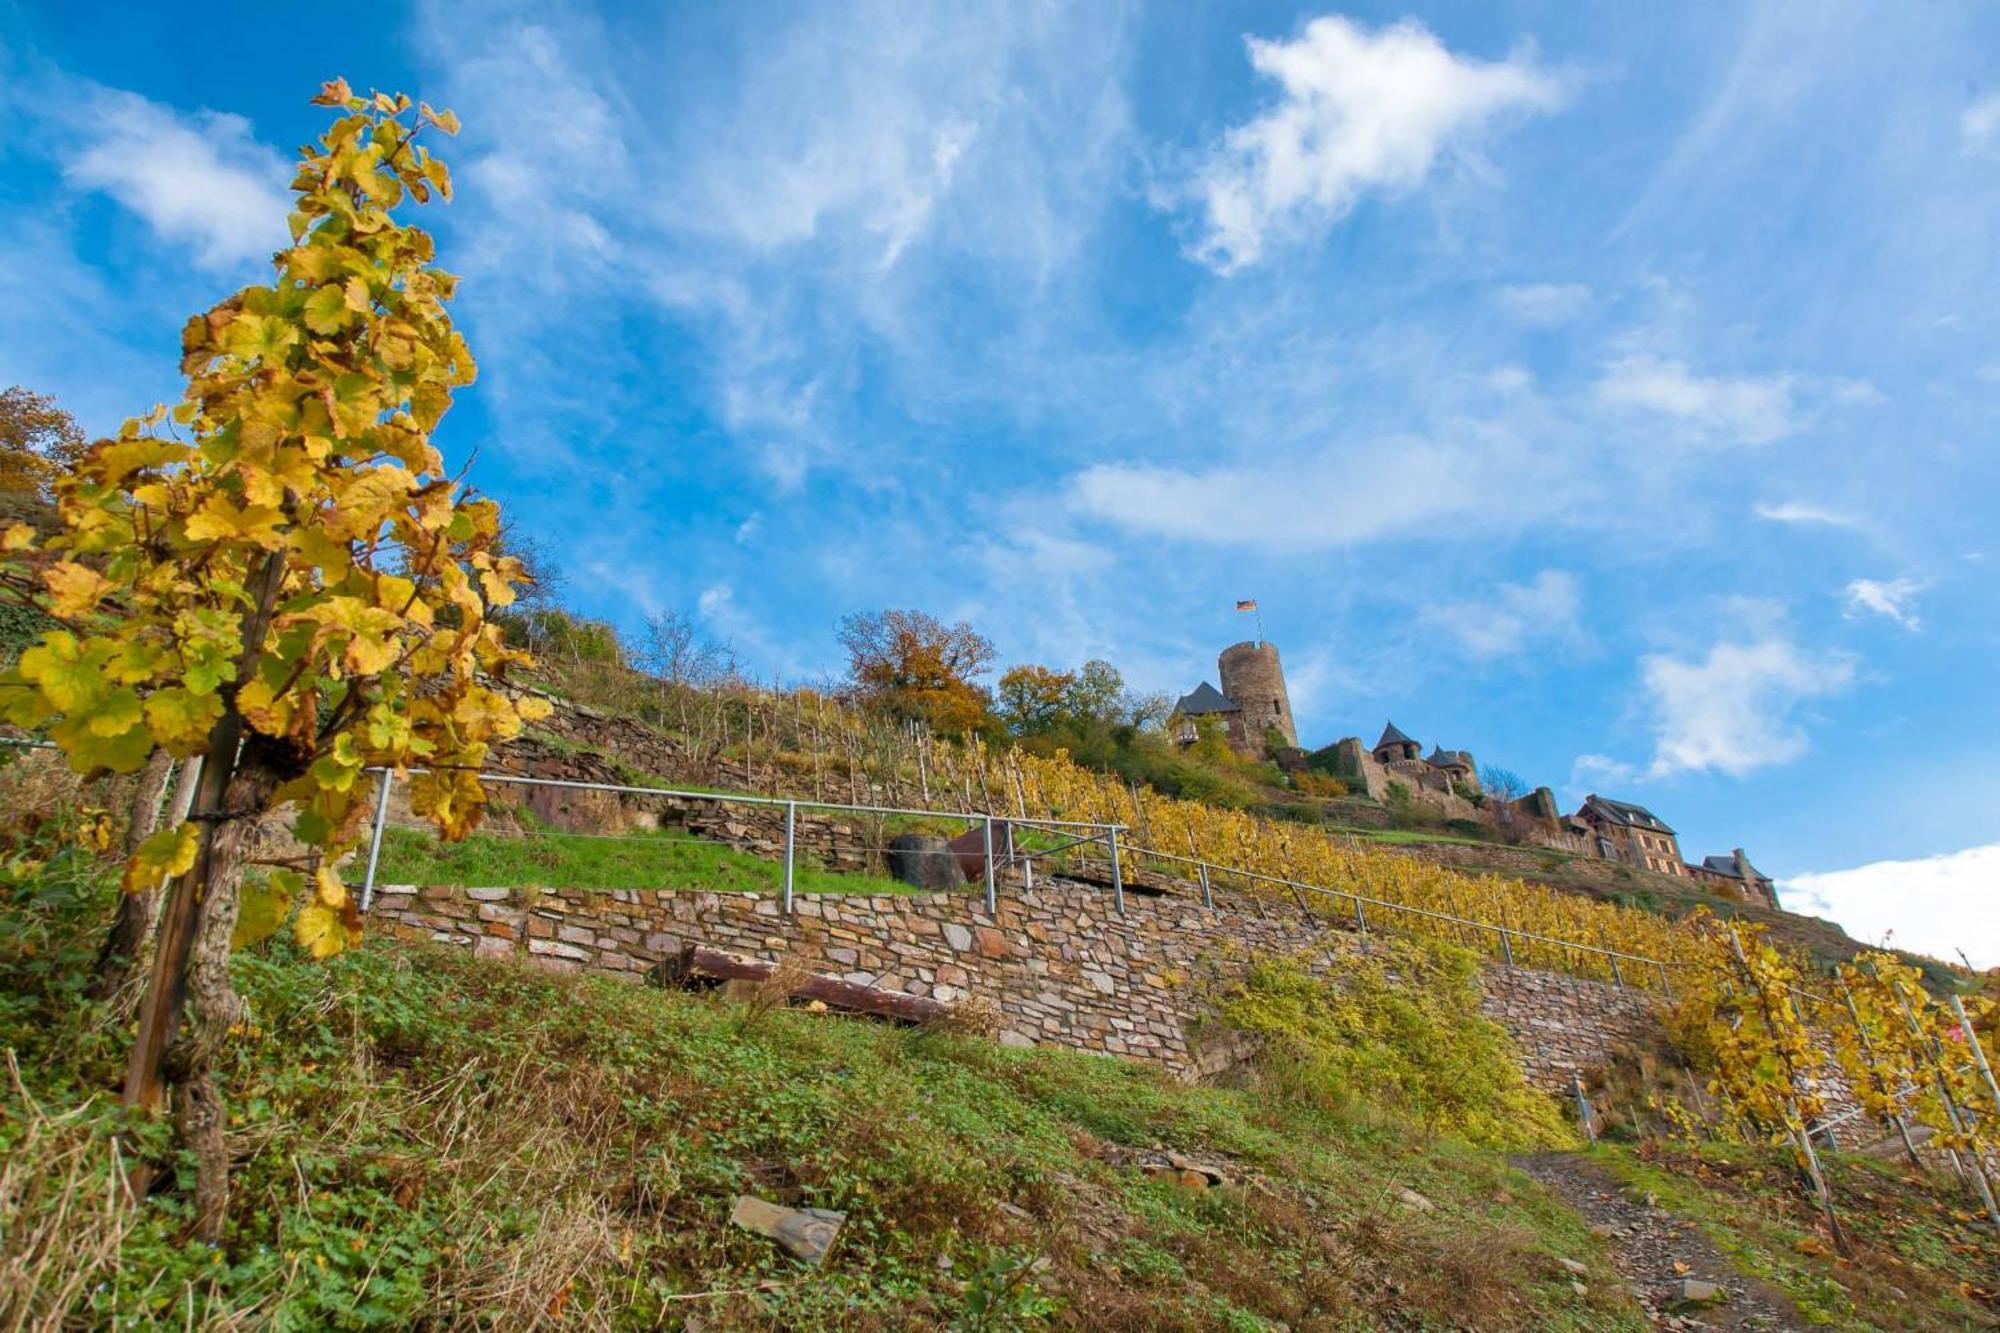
(1255, 712)
(1251, 705)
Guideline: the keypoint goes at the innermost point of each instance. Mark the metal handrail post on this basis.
(1617, 976)
(1506, 946)
(1207, 896)
(1582, 1106)
(375, 838)
(992, 890)
(1117, 875)
(791, 843)
(1360, 917)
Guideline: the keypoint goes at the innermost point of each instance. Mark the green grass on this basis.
(664, 860)
(421, 1138)
(1397, 837)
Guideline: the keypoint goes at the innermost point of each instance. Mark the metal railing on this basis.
(995, 858)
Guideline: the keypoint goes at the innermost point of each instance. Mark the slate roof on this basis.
(1624, 812)
(1392, 736)
(1726, 865)
(1205, 698)
(1443, 758)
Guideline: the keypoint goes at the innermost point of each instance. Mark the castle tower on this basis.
(1255, 683)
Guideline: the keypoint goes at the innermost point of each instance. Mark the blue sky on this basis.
(1610, 393)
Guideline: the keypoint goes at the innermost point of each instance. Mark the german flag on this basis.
(1250, 605)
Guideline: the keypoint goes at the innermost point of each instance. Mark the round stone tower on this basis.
(1255, 683)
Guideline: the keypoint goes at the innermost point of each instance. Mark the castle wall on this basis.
(1059, 965)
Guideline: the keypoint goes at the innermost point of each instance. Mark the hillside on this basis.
(805, 743)
(422, 1139)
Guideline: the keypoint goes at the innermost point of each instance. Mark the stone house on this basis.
(1622, 831)
(1733, 874)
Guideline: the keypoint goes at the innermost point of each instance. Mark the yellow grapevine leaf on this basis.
(219, 520)
(321, 931)
(181, 717)
(328, 889)
(263, 907)
(166, 854)
(18, 537)
(74, 590)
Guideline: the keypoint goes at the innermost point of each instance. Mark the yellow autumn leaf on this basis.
(165, 855)
(74, 590)
(219, 520)
(18, 537)
(328, 889)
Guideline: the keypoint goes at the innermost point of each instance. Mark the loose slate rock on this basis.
(1693, 1291)
(805, 1233)
(925, 861)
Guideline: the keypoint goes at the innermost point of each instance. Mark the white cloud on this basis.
(1339, 496)
(1892, 598)
(201, 180)
(1803, 512)
(1545, 305)
(1979, 125)
(1514, 616)
(1359, 110)
(1936, 905)
(1748, 409)
(1733, 711)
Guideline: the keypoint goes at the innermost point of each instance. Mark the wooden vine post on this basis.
(1795, 1123)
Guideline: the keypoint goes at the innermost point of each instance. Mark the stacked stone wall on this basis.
(1058, 965)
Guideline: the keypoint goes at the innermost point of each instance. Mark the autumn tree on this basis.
(912, 665)
(39, 441)
(279, 576)
(1033, 699)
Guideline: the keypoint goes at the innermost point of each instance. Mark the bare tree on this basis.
(675, 651)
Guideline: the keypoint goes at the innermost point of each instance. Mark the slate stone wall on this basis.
(1058, 964)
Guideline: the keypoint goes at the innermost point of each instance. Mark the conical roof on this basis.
(1392, 736)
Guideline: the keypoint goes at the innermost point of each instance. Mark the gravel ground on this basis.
(1656, 1250)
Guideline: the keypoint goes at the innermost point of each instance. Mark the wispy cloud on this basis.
(1545, 305)
(1358, 110)
(1804, 513)
(1893, 599)
(1316, 497)
(1514, 616)
(1747, 409)
(200, 180)
(1735, 710)
(1979, 125)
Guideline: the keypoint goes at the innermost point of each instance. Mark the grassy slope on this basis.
(581, 861)
(420, 1137)
(1917, 1266)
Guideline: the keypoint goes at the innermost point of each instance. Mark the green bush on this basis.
(1399, 1026)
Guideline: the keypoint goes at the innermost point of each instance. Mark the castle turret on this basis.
(1255, 683)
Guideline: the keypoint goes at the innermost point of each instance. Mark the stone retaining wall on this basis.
(1058, 964)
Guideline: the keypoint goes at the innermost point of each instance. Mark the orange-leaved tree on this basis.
(279, 576)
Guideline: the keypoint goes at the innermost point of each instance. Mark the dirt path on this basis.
(1650, 1244)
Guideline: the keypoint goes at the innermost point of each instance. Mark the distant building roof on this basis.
(1392, 736)
(1624, 812)
(1726, 865)
(1443, 758)
(1205, 698)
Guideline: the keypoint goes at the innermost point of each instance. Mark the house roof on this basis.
(1205, 698)
(1392, 736)
(1624, 812)
(1443, 758)
(1726, 865)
